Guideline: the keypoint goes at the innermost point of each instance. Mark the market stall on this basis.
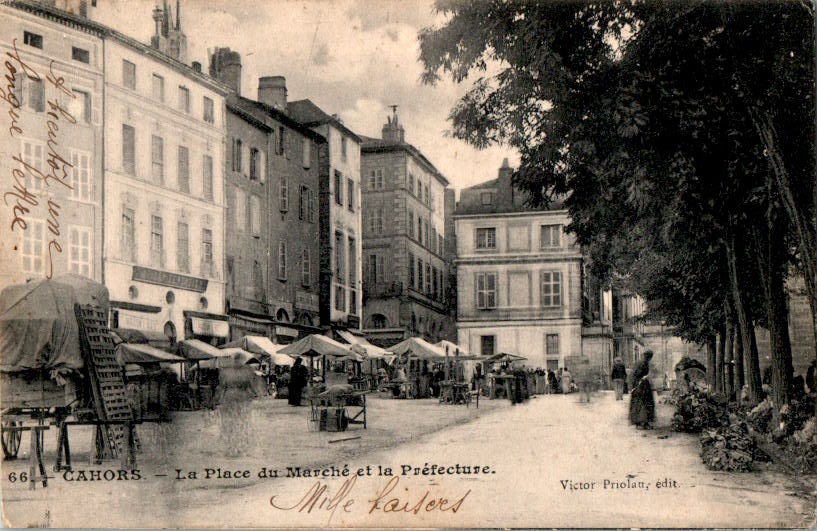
(416, 357)
(200, 384)
(378, 358)
(272, 361)
(151, 386)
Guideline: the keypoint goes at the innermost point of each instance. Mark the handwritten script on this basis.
(31, 182)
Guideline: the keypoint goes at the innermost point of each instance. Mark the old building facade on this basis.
(518, 276)
(164, 195)
(403, 241)
(341, 265)
(51, 144)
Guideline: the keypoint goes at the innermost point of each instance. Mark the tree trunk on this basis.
(747, 328)
(711, 360)
(778, 316)
(729, 384)
(740, 374)
(720, 356)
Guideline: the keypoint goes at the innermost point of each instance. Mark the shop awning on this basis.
(210, 327)
(146, 337)
(197, 350)
(372, 351)
(142, 353)
(317, 345)
(231, 357)
(418, 348)
(262, 346)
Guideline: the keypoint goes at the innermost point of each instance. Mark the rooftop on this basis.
(259, 112)
(309, 114)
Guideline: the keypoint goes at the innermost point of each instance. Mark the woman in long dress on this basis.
(642, 403)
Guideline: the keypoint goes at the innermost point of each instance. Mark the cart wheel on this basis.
(11, 439)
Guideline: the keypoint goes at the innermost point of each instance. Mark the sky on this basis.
(353, 58)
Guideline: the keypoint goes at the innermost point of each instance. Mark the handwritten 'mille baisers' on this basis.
(386, 499)
(19, 198)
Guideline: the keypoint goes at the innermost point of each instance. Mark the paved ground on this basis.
(547, 461)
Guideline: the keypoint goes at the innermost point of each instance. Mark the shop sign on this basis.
(173, 280)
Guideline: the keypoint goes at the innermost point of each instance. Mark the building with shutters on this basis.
(404, 281)
(274, 170)
(519, 276)
(164, 195)
(51, 218)
(341, 278)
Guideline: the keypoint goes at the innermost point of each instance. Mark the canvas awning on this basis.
(231, 357)
(317, 345)
(147, 337)
(418, 348)
(371, 351)
(142, 353)
(262, 346)
(197, 350)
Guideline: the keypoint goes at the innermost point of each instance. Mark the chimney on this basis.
(225, 66)
(272, 91)
(392, 130)
(504, 186)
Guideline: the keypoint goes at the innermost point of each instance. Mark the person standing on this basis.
(297, 382)
(567, 381)
(642, 403)
(618, 375)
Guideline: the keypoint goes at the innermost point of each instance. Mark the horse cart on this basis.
(58, 370)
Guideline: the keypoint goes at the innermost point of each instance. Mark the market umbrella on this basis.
(418, 348)
(315, 345)
(262, 346)
(231, 357)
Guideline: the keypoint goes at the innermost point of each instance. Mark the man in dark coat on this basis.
(297, 382)
(642, 403)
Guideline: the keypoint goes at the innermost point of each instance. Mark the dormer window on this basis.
(486, 198)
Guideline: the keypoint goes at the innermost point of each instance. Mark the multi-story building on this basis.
(403, 240)
(163, 195)
(51, 144)
(275, 167)
(341, 271)
(518, 276)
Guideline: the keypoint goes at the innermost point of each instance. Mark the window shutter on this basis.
(476, 291)
(262, 166)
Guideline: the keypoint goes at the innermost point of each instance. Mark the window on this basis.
(441, 243)
(376, 266)
(281, 141)
(128, 149)
(81, 178)
(128, 241)
(412, 278)
(34, 247)
(551, 288)
(255, 164)
(81, 105)
(207, 177)
(435, 288)
(552, 344)
(486, 198)
(419, 192)
(310, 204)
(156, 241)
(33, 153)
(209, 114)
(350, 194)
(128, 74)
(183, 248)
(158, 87)
(376, 179)
(207, 251)
(238, 146)
(432, 242)
(420, 279)
(425, 194)
(282, 260)
(255, 215)
(551, 236)
(425, 234)
(411, 183)
(486, 290)
(352, 301)
(306, 268)
(307, 153)
(36, 95)
(184, 99)
(488, 345)
(338, 188)
(352, 253)
(283, 194)
(157, 159)
(240, 209)
(184, 169)
(420, 229)
(339, 258)
(340, 298)
(343, 148)
(379, 220)
(81, 55)
(486, 238)
(303, 203)
(32, 39)
(411, 224)
(428, 279)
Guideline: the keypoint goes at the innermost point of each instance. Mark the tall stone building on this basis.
(274, 170)
(403, 241)
(341, 278)
(518, 276)
(51, 221)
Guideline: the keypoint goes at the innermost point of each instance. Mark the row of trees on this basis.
(681, 135)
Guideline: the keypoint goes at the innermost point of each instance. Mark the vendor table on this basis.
(351, 405)
(454, 392)
(499, 383)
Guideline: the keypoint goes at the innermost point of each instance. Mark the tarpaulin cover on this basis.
(141, 353)
(231, 357)
(38, 327)
(418, 348)
(196, 349)
(147, 337)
